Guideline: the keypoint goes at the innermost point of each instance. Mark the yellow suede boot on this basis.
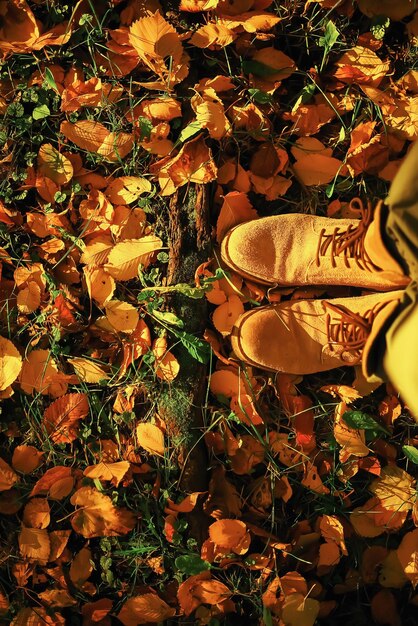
(298, 249)
(307, 336)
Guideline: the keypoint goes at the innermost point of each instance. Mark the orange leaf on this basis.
(383, 607)
(7, 476)
(29, 298)
(81, 567)
(236, 209)
(318, 169)
(230, 534)
(144, 609)
(57, 483)
(40, 375)
(97, 516)
(34, 544)
(193, 6)
(211, 592)
(329, 555)
(94, 137)
(362, 66)
(193, 164)
(37, 617)
(408, 555)
(226, 314)
(244, 408)
(62, 416)
(151, 438)
(26, 459)
(36, 513)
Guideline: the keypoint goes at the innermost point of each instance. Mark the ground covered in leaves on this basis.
(146, 475)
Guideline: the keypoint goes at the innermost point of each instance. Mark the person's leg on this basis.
(394, 353)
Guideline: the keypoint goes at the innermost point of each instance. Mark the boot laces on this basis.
(348, 243)
(348, 331)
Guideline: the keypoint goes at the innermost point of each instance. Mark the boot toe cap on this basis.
(250, 250)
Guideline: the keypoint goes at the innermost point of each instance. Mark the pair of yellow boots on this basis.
(307, 336)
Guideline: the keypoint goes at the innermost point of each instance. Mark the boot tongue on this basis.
(375, 246)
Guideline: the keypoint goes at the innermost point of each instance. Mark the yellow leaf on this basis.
(157, 44)
(395, 489)
(88, 371)
(122, 315)
(126, 256)
(54, 165)
(213, 35)
(151, 438)
(10, 363)
(127, 189)
(29, 298)
(166, 365)
(108, 471)
(299, 611)
(94, 137)
(100, 284)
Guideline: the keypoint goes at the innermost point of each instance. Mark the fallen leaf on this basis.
(144, 609)
(10, 363)
(96, 516)
(151, 438)
(94, 137)
(126, 257)
(88, 371)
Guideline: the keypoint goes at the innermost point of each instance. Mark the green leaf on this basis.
(358, 419)
(40, 112)
(50, 80)
(145, 127)
(198, 349)
(191, 129)
(411, 452)
(267, 619)
(330, 37)
(191, 564)
(250, 66)
(169, 318)
(260, 96)
(304, 96)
